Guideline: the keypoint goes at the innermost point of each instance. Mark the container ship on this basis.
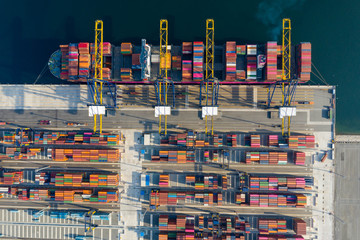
(139, 64)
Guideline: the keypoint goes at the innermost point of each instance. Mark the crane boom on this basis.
(98, 74)
(286, 70)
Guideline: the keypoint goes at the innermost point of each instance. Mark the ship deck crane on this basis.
(97, 84)
(287, 84)
(209, 85)
(163, 83)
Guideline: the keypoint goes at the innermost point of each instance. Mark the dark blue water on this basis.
(32, 30)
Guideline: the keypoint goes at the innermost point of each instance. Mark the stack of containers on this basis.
(126, 74)
(163, 198)
(251, 62)
(261, 237)
(255, 141)
(190, 139)
(84, 60)
(186, 70)
(199, 143)
(9, 138)
(73, 61)
(301, 141)
(190, 156)
(274, 158)
(254, 200)
(187, 48)
(304, 63)
(41, 178)
(180, 223)
(231, 140)
(264, 158)
(176, 62)
(106, 73)
(163, 222)
(126, 48)
(217, 141)
(64, 61)
(240, 49)
(310, 141)
(300, 158)
(273, 141)
(164, 180)
(172, 156)
(271, 65)
(86, 155)
(240, 198)
(230, 61)
(172, 223)
(299, 226)
(252, 157)
(181, 157)
(107, 49)
(198, 61)
(282, 158)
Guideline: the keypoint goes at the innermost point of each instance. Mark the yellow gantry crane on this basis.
(98, 75)
(286, 71)
(163, 83)
(209, 67)
(210, 84)
(163, 71)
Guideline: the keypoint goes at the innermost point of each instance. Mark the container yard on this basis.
(177, 141)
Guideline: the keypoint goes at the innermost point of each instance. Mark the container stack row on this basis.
(69, 138)
(186, 70)
(273, 141)
(251, 62)
(126, 48)
(86, 155)
(176, 63)
(271, 65)
(304, 63)
(23, 153)
(67, 196)
(84, 60)
(276, 183)
(164, 180)
(10, 178)
(78, 180)
(267, 158)
(217, 140)
(64, 72)
(276, 200)
(163, 198)
(126, 74)
(272, 226)
(300, 158)
(301, 141)
(174, 156)
(299, 226)
(198, 61)
(255, 141)
(231, 140)
(73, 61)
(187, 48)
(230, 57)
(264, 237)
(240, 73)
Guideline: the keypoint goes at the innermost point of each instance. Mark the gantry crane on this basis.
(163, 83)
(97, 83)
(210, 84)
(287, 84)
